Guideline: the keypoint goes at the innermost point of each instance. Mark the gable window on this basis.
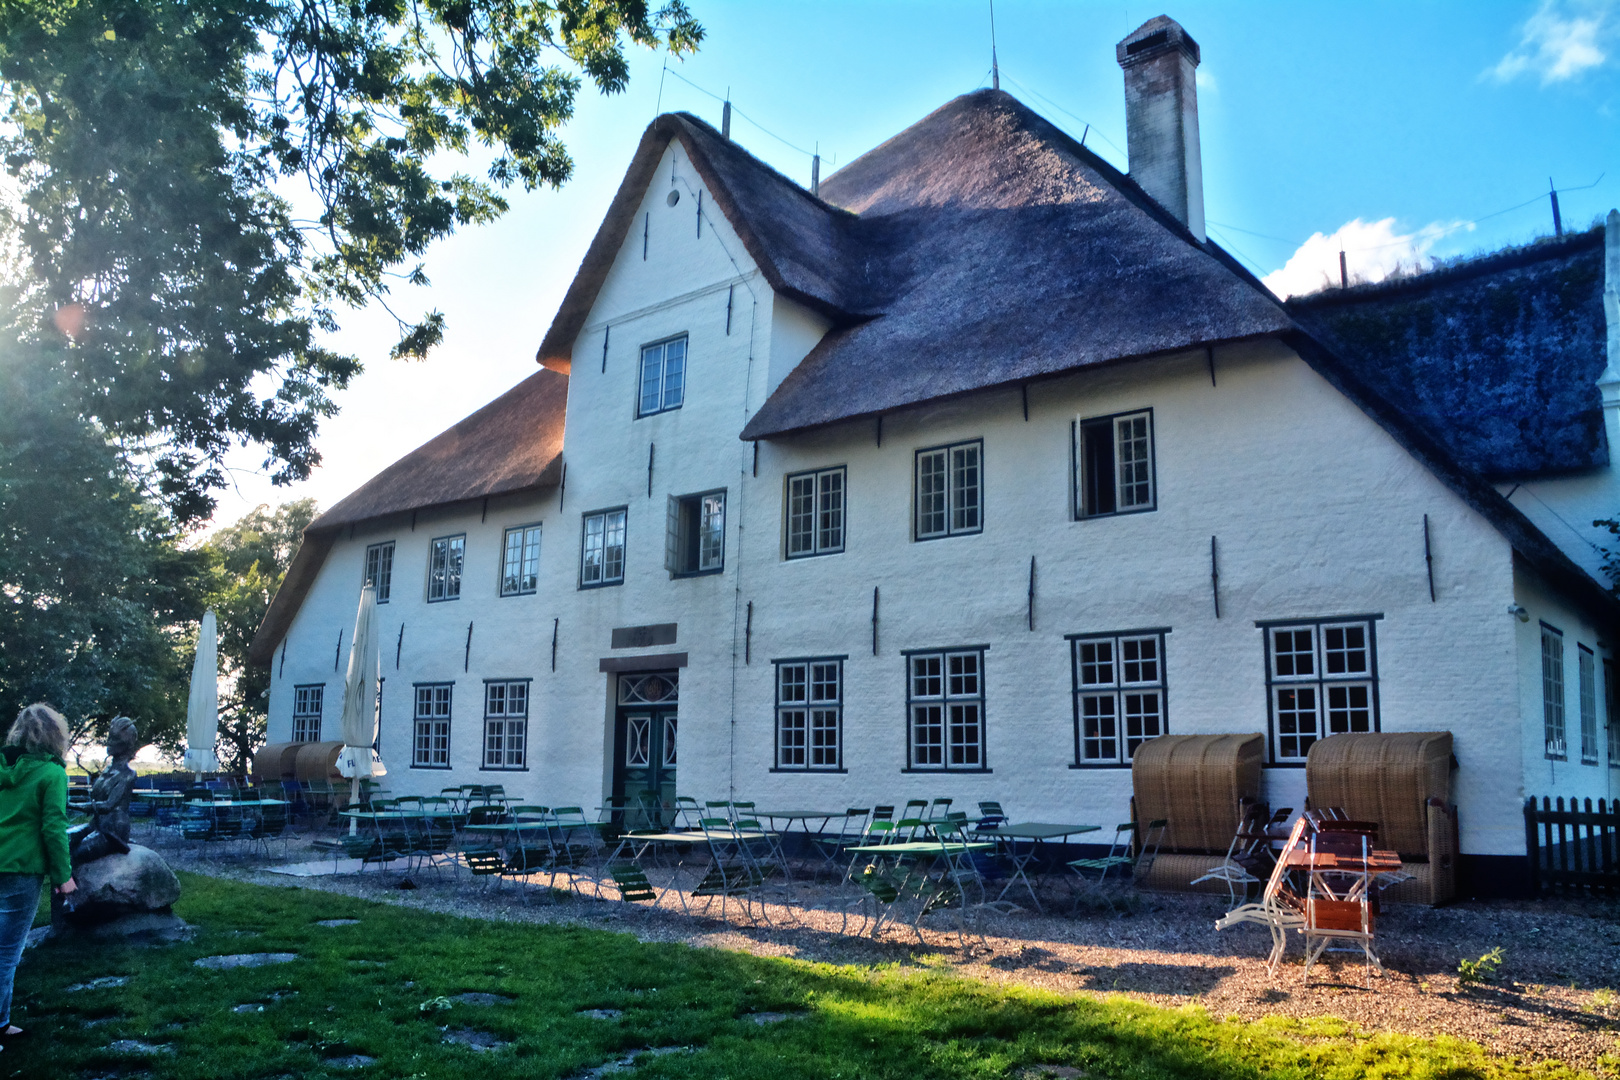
(815, 513)
(949, 490)
(1552, 692)
(520, 560)
(1119, 694)
(380, 569)
(945, 709)
(444, 567)
(1321, 680)
(601, 557)
(695, 540)
(430, 742)
(810, 713)
(307, 713)
(663, 377)
(1114, 465)
(506, 723)
(1589, 721)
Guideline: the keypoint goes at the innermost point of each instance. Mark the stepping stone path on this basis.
(338, 922)
(249, 1007)
(135, 1046)
(242, 960)
(103, 983)
(772, 1017)
(602, 1014)
(627, 1062)
(350, 1061)
(474, 1040)
(482, 999)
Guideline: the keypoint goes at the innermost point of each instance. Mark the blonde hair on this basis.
(40, 729)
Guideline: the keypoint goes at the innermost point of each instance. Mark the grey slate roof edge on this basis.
(1444, 276)
(1526, 539)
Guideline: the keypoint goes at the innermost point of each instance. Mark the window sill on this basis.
(807, 769)
(949, 536)
(946, 769)
(1100, 765)
(600, 584)
(801, 556)
(1117, 513)
(678, 574)
(443, 599)
(432, 768)
(503, 768)
(1282, 764)
(520, 592)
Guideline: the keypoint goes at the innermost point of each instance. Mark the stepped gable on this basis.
(1497, 357)
(998, 250)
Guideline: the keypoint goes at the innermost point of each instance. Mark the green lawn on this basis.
(371, 988)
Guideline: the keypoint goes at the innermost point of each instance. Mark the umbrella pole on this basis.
(354, 803)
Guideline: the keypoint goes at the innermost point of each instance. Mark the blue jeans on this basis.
(19, 900)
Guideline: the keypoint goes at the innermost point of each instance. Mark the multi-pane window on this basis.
(950, 490)
(307, 713)
(1552, 692)
(1114, 465)
(1119, 695)
(520, 560)
(695, 538)
(809, 713)
(663, 377)
(1612, 714)
(506, 723)
(1322, 678)
(1589, 719)
(430, 742)
(945, 709)
(444, 567)
(601, 557)
(380, 569)
(815, 513)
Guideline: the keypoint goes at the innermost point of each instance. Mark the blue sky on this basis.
(1401, 130)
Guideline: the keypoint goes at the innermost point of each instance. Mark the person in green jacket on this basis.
(33, 835)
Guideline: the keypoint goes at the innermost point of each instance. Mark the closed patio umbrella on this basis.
(202, 706)
(357, 759)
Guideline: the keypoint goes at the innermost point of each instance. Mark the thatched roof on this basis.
(512, 444)
(1498, 357)
(995, 249)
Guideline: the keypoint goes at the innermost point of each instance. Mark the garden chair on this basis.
(633, 885)
(488, 815)
(732, 871)
(268, 825)
(1339, 906)
(915, 808)
(1245, 854)
(851, 833)
(1119, 858)
(1280, 908)
(939, 809)
(687, 812)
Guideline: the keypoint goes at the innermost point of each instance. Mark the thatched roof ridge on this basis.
(795, 239)
(1003, 251)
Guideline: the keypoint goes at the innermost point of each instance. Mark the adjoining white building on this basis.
(970, 471)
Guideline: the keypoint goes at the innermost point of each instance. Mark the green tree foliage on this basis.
(249, 558)
(200, 184)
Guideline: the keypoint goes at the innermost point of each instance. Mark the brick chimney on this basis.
(1161, 117)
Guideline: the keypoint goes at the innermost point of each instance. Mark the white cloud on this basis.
(1374, 250)
(1563, 39)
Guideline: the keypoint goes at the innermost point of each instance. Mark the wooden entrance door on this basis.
(644, 748)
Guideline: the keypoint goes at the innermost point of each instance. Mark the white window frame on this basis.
(379, 569)
(1553, 728)
(948, 490)
(1121, 696)
(654, 376)
(1332, 693)
(1133, 466)
(810, 714)
(308, 700)
(610, 524)
(520, 562)
(506, 724)
(430, 725)
(447, 559)
(949, 698)
(1587, 662)
(695, 534)
(814, 507)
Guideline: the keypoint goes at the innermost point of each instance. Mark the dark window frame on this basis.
(807, 706)
(418, 719)
(1555, 747)
(384, 587)
(523, 552)
(1079, 463)
(945, 699)
(1611, 711)
(317, 715)
(684, 537)
(507, 718)
(818, 494)
(1586, 673)
(461, 566)
(1320, 681)
(624, 546)
(663, 370)
(951, 508)
(1119, 689)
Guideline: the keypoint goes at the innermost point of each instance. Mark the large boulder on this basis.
(117, 885)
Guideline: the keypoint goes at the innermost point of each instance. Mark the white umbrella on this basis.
(357, 759)
(202, 707)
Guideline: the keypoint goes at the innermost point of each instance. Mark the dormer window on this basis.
(663, 376)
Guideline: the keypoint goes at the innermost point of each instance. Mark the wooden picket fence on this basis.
(1575, 846)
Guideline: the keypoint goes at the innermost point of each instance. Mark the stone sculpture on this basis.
(107, 832)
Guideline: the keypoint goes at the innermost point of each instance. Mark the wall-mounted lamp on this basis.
(1518, 611)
